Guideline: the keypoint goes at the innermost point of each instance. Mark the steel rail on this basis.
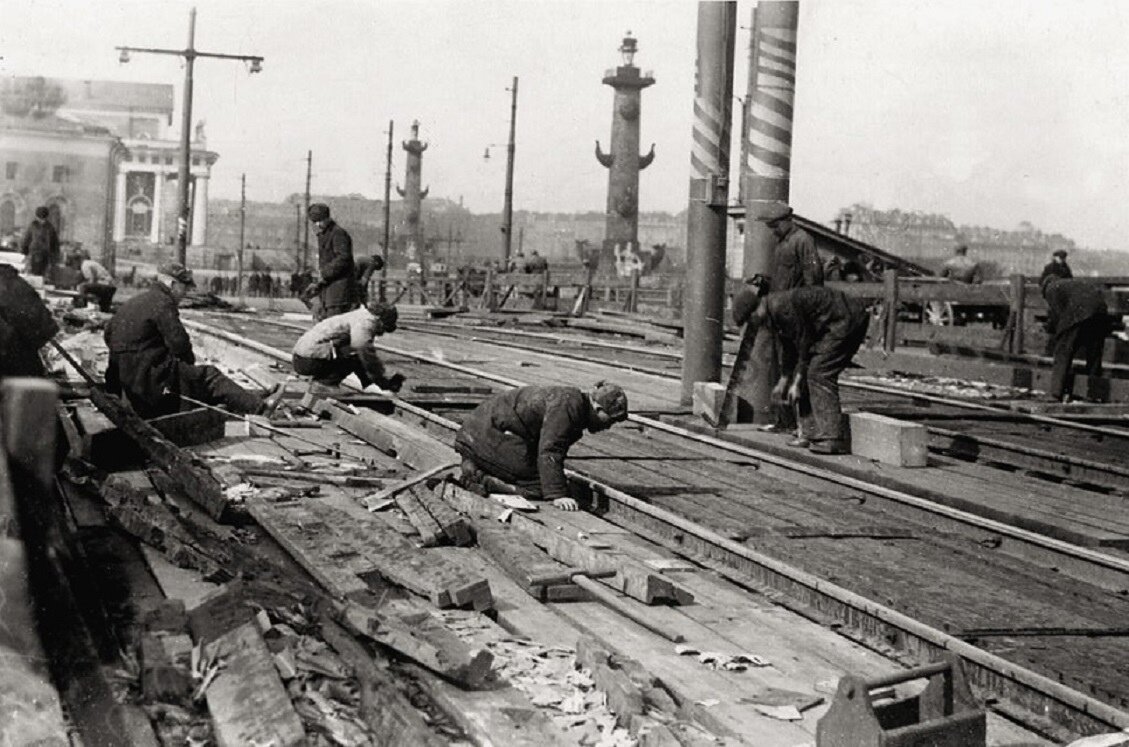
(1038, 700)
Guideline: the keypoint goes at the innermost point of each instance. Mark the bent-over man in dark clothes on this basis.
(820, 330)
(342, 345)
(25, 326)
(151, 357)
(1077, 321)
(522, 436)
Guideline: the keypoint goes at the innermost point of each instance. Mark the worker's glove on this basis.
(566, 504)
(780, 390)
(392, 384)
(312, 290)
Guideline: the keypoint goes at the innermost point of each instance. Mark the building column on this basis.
(200, 212)
(119, 207)
(155, 224)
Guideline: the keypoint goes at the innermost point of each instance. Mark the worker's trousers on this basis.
(1087, 337)
(821, 414)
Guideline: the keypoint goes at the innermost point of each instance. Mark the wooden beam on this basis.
(519, 558)
(430, 533)
(247, 700)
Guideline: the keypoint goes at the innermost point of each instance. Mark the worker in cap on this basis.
(342, 345)
(40, 243)
(962, 268)
(521, 437)
(151, 358)
(820, 330)
(1077, 322)
(333, 293)
(25, 326)
(795, 263)
(1057, 267)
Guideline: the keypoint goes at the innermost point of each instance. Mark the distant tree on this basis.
(34, 97)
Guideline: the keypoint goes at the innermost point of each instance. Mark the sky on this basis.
(992, 112)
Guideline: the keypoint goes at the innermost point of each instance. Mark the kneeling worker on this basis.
(820, 329)
(342, 344)
(151, 358)
(522, 436)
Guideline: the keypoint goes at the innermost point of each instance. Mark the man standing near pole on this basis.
(333, 292)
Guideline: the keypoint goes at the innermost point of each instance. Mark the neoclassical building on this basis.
(103, 157)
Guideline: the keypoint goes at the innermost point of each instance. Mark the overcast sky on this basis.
(992, 112)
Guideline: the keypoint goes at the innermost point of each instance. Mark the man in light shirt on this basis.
(342, 344)
(97, 283)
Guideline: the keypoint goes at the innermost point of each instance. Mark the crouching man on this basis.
(820, 330)
(151, 358)
(522, 436)
(342, 345)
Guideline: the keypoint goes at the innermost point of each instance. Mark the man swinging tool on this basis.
(151, 358)
(820, 329)
(342, 345)
(521, 437)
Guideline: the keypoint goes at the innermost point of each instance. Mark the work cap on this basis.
(776, 212)
(318, 211)
(42, 213)
(176, 271)
(1059, 253)
(612, 399)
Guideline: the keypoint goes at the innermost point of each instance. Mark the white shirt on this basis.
(358, 327)
(92, 272)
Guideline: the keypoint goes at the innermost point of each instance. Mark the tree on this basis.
(34, 97)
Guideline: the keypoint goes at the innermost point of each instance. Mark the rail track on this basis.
(1048, 652)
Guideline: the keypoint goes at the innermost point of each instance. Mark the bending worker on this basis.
(820, 329)
(342, 345)
(1076, 321)
(522, 436)
(151, 357)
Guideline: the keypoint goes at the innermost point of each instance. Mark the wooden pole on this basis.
(1017, 297)
(890, 306)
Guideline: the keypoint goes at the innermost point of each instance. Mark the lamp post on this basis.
(189, 54)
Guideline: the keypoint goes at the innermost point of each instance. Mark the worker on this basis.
(26, 325)
(151, 357)
(342, 345)
(795, 263)
(820, 330)
(961, 267)
(1057, 266)
(97, 283)
(364, 271)
(521, 437)
(333, 292)
(41, 244)
(1077, 320)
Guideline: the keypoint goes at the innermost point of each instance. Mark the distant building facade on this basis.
(101, 155)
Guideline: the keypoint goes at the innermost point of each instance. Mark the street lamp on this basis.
(189, 54)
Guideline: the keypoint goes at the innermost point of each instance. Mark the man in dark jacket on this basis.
(25, 326)
(1077, 320)
(820, 330)
(1057, 267)
(334, 291)
(522, 436)
(151, 357)
(40, 243)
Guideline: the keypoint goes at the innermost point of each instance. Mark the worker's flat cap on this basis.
(176, 271)
(318, 211)
(1059, 253)
(778, 211)
(612, 399)
(42, 212)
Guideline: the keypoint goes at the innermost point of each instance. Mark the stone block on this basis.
(708, 400)
(889, 440)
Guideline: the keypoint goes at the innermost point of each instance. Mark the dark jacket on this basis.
(146, 339)
(811, 320)
(795, 262)
(335, 262)
(1056, 269)
(528, 432)
(41, 244)
(25, 325)
(1071, 302)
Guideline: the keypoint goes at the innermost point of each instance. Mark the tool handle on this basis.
(75, 364)
(922, 672)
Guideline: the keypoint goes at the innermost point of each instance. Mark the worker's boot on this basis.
(830, 446)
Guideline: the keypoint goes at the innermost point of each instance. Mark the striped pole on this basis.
(766, 171)
(704, 299)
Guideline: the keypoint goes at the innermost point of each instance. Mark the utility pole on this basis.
(298, 237)
(242, 223)
(387, 210)
(508, 210)
(306, 240)
(189, 53)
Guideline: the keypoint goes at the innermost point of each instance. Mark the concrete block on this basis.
(889, 440)
(708, 400)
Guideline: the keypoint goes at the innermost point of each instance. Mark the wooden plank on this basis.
(889, 440)
(454, 526)
(377, 498)
(516, 554)
(387, 712)
(410, 445)
(247, 700)
(430, 533)
(633, 579)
